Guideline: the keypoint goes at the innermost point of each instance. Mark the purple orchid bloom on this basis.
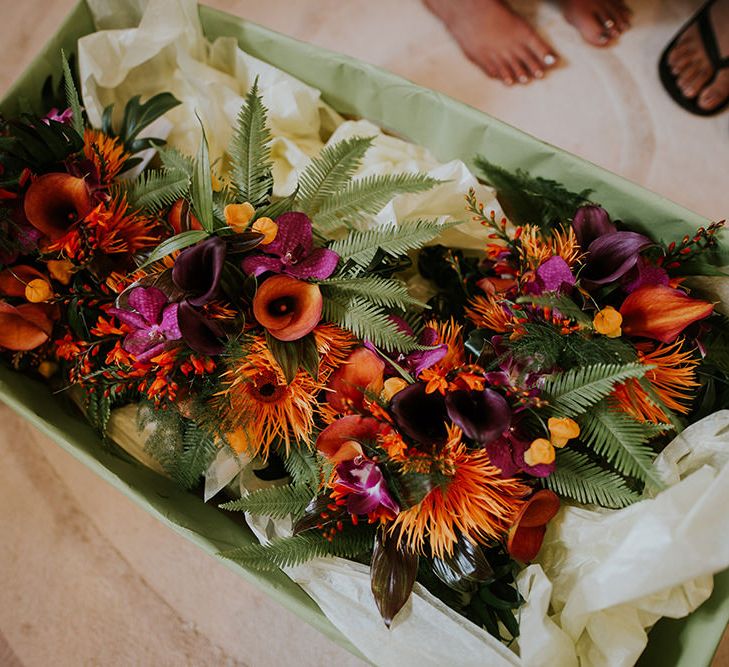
(58, 116)
(507, 454)
(292, 252)
(197, 270)
(553, 275)
(645, 274)
(153, 322)
(366, 484)
(483, 416)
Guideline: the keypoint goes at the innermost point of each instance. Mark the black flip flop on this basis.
(708, 38)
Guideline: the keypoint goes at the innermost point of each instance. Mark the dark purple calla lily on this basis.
(292, 252)
(590, 223)
(420, 415)
(611, 256)
(202, 334)
(507, 454)
(366, 484)
(153, 322)
(554, 275)
(482, 415)
(197, 270)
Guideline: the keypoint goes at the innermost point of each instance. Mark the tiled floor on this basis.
(88, 578)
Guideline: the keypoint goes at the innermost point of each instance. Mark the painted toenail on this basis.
(549, 59)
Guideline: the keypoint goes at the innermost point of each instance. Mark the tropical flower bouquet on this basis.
(463, 455)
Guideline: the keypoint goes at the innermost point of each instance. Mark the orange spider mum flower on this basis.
(450, 334)
(487, 313)
(334, 345)
(475, 502)
(261, 408)
(535, 249)
(106, 153)
(673, 378)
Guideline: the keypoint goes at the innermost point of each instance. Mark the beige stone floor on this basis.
(86, 577)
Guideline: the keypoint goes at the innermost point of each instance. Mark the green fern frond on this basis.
(198, 451)
(330, 172)
(368, 321)
(303, 466)
(250, 151)
(290, 551)
(367, 196)
(278, 502)
(571, 393)
(580, 479)
(154, 190)
(173, 159)
(560, 302)
(622, 441)
(360, 247)
(72, 98)
(379, 291)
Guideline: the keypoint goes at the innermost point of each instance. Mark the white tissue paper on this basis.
(603, 577)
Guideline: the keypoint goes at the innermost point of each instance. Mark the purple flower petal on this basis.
(169, 326)
(319, 264)
(645, 274)
(294, 235)
(203, 335)
(554, 275)
(482, 415)
(502, 457)
(134, 320)
(255, 265)
(148, 302)
(197, 270)
(419, 360)
(366, 483)
(590, 223)
(611, 256)
(151, 352)
(420, 415)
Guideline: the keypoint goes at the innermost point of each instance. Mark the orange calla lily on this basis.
(181, 218)
(661, 312)
(363, 370)
(527, 532)
(24, 327)
(13, 281)
(340, 441)
(288, 308)
(56, 201)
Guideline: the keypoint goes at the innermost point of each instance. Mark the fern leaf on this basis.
(368, 321)
(198, 451)
(571, 393)
(290, 551)
(367, 196)
(303, 466)
(72, 98)
(278, 502)
(560, 302)
(360, 247)
(250, 151)
(157, 189)
(330, 172)
(580, 479)
(622, 441)
(173, 159)
(379, 291)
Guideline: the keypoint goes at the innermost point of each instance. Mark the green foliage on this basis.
(137, 116)
(561, 302)
(305, 467)
(250, 152)
(98, 407)
(72, 98)
(366, 320)
(572, 392)
(360, 247)
(296, 354)
(330, 172)
(277, 502)
(367, 196)
(289, 551)
(579, 478)
(379, 291)
(622, 441)
(177, 242)
(201, 189)
(530, 199)
(154, 190)
(172, 159)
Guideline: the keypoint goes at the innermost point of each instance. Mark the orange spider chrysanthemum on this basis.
(261, 408)
(487, 313)
(535, 249)
(334, 345)
(106, 153)
(450, 334)
(475, 502)
(672, 378)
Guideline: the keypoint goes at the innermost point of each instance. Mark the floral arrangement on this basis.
(431, 441)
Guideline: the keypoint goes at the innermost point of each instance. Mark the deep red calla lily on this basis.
(56, 201)
(527, 532)
(363, 370)
(661, 312)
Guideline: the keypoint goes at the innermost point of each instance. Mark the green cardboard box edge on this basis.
(450, 130)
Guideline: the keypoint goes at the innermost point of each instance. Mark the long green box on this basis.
(450, 130)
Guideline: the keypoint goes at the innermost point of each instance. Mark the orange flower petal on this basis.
(339, 441)
(38, 290)
(527, 532)
(288, 308)
(363, 371)
(56, 201)
(268, 228)
(607, 322)
(562, 430)
(237, 216)
(181, 218)
(14, 280)
(24, 327)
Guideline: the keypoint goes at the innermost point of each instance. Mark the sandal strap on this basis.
(708, 37)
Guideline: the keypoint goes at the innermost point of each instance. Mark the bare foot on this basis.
(600, 22)
(692, 67)
(497, 39)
